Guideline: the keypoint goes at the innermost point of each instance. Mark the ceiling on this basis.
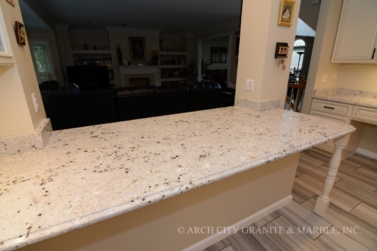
(194, 16)
(167, 15)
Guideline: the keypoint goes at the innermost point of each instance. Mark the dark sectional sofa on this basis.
(105, 106)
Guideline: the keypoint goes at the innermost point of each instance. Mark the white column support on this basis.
(199, 64)
(323, 201)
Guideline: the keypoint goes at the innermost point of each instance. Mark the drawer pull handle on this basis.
(329, 107)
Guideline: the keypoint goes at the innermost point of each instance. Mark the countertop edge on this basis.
(86, 220)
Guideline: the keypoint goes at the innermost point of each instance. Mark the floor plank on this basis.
(325, 158)
(220, 245)
(303, 218)
(366, 213)
(245, 242)
(368, 182)
(300, 193)
(311, 159)
(367, 172)
(341, 219)
(267, 219)
(339, 198)
(288, 242)
(363, 161)
(340, 241)
(357, 190)
(313, 171)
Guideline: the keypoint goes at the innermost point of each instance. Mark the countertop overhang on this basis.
(89, 174)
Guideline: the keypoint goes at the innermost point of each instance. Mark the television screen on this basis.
(88, 76)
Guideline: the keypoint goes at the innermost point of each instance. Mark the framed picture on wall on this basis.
(137, 48)
(286, 12)
(20, 33)
(218, 54)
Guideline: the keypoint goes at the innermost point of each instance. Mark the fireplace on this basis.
(138, 79)
(138, 75)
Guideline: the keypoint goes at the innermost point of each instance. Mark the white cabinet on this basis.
(365, 114)
(357, 116)
(357, 31)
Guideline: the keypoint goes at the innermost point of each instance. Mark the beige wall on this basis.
(18, 83)
(369, 139)
(309, 13)
(360, 77)
(257, 48)
(49, 36)
(206, 51)
(121, 38)
(228, 32)
(320, 63)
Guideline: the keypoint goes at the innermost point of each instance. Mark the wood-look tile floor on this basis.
(351, 220)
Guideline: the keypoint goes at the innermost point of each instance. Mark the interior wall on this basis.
(358, 76)
(322, 50)
(309, 13)
(18, 83)
(232, 58)
(206, 52)
(121, 38)
(90, 37)
(369, 139)
(49, 35)
(257, 48)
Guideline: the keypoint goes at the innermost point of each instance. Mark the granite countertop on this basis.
(348, 96)
(89, 174)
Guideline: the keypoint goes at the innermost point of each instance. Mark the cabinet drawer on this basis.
(365, 114)
(331, 117)
(332, 107)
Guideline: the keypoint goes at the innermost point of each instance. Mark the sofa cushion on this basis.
(73, 88)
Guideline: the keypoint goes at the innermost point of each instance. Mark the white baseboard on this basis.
(239, 225)
(367, 153)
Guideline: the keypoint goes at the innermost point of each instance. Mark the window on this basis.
(42, 61)
(299, 48)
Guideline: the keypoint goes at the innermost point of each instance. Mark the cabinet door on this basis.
(356, 37)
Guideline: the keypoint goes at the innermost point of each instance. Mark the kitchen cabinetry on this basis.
(357, 32)
(355, 115)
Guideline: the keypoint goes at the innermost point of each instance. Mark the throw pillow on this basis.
(73, 88)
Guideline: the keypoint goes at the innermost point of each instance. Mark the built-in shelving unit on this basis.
(173, 60)
(91, 47)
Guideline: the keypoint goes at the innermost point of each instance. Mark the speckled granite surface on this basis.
(348, 96)
(26, 142)
(89, 174)
(258, 106)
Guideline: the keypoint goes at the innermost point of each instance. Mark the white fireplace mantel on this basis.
(147, 69)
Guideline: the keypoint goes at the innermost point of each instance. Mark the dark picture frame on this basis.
(137, 48)
(20, 33)
(219, 55)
